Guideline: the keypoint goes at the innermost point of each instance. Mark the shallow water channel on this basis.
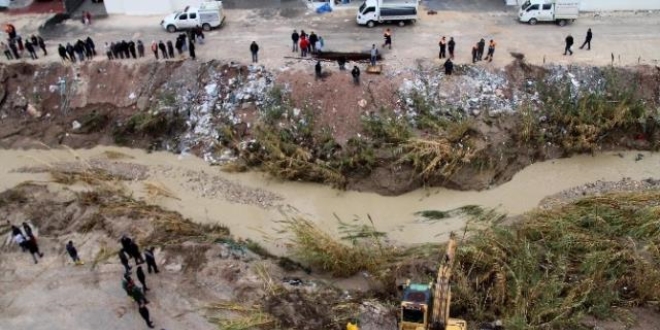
(190, 179)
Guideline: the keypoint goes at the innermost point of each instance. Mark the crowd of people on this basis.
(26, 239)
(129, 248)
(306, 43)
(15, 46)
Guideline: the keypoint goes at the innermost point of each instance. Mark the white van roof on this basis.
(210, 5)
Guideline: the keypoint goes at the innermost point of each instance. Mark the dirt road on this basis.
(629, 37)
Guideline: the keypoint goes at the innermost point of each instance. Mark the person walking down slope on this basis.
(154, 48)
(124, 261)
(151, 260)
(73, 253)
(587, 40)
(443, 48)
(254, 49)
(295, 37)
(141, 277)
(569, 44)
(356, 75)
(144, 312)
(7, 51)
(33, 248)
(451, 45)
(388, 38)
(62, 52)
(318, 70)
(475, 53)
(491, 50)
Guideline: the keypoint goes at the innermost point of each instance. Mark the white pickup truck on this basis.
(387, 11)
(559, 11)
(208, 16)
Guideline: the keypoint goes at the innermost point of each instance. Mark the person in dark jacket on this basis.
(144, 312)
(475, 53)
(131, 49)
(42, 45)
(163, 49)
(449, 67)
(254, 49)
(7, 51)
(30, 49)
(62, 51)
(33, 39)
(356, 75)
(91, 45)
(151, 260)
(125, 49)
(14, 49)
(140, 48)
(318, 70)
(73, 253)
(70, 51)
(191, 49)
(481, 46)
(170, 49)
(79, 48)
(443, 48)
(178, 44)
(141, 277)
(33, 248)
(569, 44)
(313, 38)
(124, 261)
(134, 251)
(587, 40)
(451, 45)
(28, 230)
(295, 37)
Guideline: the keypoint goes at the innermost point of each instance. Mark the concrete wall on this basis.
(608, 5)
(147, 7)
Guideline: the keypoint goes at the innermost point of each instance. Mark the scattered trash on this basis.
(75, 125)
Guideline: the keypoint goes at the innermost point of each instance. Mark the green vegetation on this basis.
(595, 256)
(148, 124)
(581, 121)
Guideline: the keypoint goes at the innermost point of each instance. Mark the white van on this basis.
(4, 4)
(209, 15)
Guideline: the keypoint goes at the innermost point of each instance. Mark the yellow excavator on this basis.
(426, 306)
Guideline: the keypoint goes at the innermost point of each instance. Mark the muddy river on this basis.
(206, 194)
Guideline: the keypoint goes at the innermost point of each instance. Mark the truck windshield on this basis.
(364, 5)
(526, 4)
(412, 315)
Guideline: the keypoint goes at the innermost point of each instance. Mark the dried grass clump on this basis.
(361, 247)
(155, 189)
(437, 157)
(554, 267)
(116, 155)
(91, 176)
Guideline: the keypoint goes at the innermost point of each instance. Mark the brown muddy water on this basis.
(191, 180)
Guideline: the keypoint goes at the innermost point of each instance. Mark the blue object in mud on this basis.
(324, 9)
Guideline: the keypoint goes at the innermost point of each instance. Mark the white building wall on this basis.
(608, 5)
(147, 7)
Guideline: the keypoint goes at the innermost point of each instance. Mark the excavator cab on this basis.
(415, 306)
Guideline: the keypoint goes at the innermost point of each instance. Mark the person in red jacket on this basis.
(304, 45)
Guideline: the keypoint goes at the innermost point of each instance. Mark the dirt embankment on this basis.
(391, 134)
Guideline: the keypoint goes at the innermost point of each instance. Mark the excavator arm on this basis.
(440, 319)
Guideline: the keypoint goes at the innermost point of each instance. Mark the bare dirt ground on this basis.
(630, 37)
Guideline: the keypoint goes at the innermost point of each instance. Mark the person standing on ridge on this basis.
(295, 37)
(443, 48)
(491, 50)
(254, 50)
(451, 45)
